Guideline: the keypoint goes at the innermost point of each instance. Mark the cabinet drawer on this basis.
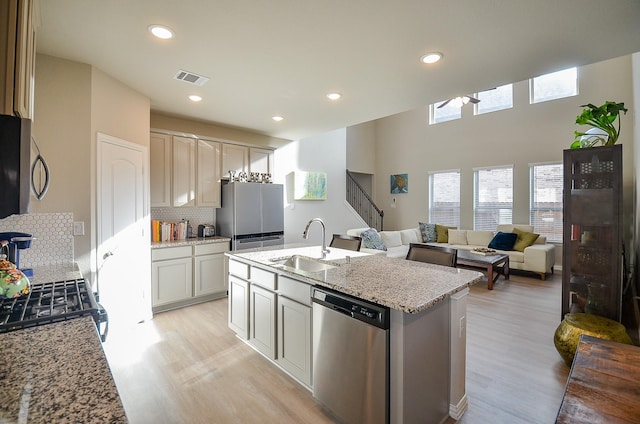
(263, 278)
(239, 269)
(295, 290)
(211, 248)
(170, 253)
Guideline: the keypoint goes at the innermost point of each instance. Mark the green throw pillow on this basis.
(524, 240)
(443, 233)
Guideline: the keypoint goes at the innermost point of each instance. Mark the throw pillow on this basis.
(503, 241)
(428, 232)
(371, 240)
(409, 236)
(391, 238)
(457, 236)
(442, 232)
(524, 240)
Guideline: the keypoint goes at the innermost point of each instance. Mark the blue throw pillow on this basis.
(503, 241)
(371, 240)
(428, 232)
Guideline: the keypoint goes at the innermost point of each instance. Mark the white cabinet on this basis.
(234, 158)
(208, 166)
(171, 275)
(183, 186)
(260, 160)
(239, 306)
(185, 275)
(17, 65)
(208, 269)
(294, 328)
(160, 169)
(262, 320)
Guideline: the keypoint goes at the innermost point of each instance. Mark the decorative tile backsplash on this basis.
(196, 216)
(53, 237)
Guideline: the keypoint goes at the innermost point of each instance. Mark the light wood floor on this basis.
(186, 366)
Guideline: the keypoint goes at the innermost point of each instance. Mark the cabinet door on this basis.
(171, 281)
(209, 274)
(184, 172)
(25, 61)
(239, 306)
(294, 338)
(261, 160)
(160, 169)
(262, 321)
(208, 184)
(234, 158)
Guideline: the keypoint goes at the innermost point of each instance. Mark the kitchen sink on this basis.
(303, 263)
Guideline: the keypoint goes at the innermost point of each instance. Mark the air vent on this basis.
(191, 78)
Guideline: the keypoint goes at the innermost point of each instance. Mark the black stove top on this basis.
(48, 303)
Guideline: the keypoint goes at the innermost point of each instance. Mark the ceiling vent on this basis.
(191, 78)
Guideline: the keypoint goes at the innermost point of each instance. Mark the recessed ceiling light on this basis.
(431, 57)
(195, 98)
(277, 118)
(161, 31)
(334, 96)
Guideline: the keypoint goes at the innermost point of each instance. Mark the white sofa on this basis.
(538, 258)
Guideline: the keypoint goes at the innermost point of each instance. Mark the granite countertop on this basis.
(52, 273)
(408, 286)
(45, 380)
(190, 242)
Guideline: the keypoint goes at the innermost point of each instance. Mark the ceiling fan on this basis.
(459, 101)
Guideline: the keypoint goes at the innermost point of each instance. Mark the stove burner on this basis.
(51, 302)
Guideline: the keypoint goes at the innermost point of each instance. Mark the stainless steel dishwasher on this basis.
(351, 357)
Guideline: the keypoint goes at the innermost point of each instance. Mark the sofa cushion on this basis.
(356, 231)
(508, 228)
(391, 238)
(503, 241)
(371, 240)
(524, 240)
(410, 236)
(479, 237)
(442, 232)
(428, 232)
(457, 236)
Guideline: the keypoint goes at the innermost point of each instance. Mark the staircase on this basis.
(363, 204)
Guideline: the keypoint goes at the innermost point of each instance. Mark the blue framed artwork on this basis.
(310, 186)
(399, 183)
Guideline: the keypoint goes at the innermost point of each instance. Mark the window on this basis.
(554, 86)
(444, 198)
(546, 200)
(448, 112)
(492, 197)
(495, 99)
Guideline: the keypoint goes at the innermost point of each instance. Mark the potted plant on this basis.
(602, 119)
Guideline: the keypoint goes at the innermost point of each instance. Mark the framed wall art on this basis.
(399, 183)
(310, 186)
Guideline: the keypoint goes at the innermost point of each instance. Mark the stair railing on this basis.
(363, 204)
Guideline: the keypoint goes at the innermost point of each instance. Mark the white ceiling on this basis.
(280, 57)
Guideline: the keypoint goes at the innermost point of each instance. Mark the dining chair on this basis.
(432, 254)
(342, 241)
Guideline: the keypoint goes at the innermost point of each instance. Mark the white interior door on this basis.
(123, 252)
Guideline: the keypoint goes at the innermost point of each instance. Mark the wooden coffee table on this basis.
(493, 265)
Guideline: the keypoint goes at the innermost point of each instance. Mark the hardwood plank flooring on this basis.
(186, 366)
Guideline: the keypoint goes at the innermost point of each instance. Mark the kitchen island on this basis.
(427, 336)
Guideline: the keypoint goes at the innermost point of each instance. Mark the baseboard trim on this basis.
(456, 411)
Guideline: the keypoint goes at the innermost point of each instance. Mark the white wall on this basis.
(406, 143)
(322, 153)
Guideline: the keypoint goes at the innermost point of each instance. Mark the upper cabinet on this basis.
(160, 160)
(234, 158)
(17, 66)
(261, 160)
(183, 172)
(208, 184)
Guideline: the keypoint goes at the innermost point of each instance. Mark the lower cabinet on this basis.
(294, 341)
(185, 275)
(273, 313)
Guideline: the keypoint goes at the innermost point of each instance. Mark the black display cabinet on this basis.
(592, 233)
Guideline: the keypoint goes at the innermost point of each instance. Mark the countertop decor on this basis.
(408, 286)
(57, 373)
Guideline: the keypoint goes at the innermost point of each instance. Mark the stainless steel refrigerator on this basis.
(252, 215)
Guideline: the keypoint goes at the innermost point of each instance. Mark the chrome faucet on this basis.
(305, 235)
